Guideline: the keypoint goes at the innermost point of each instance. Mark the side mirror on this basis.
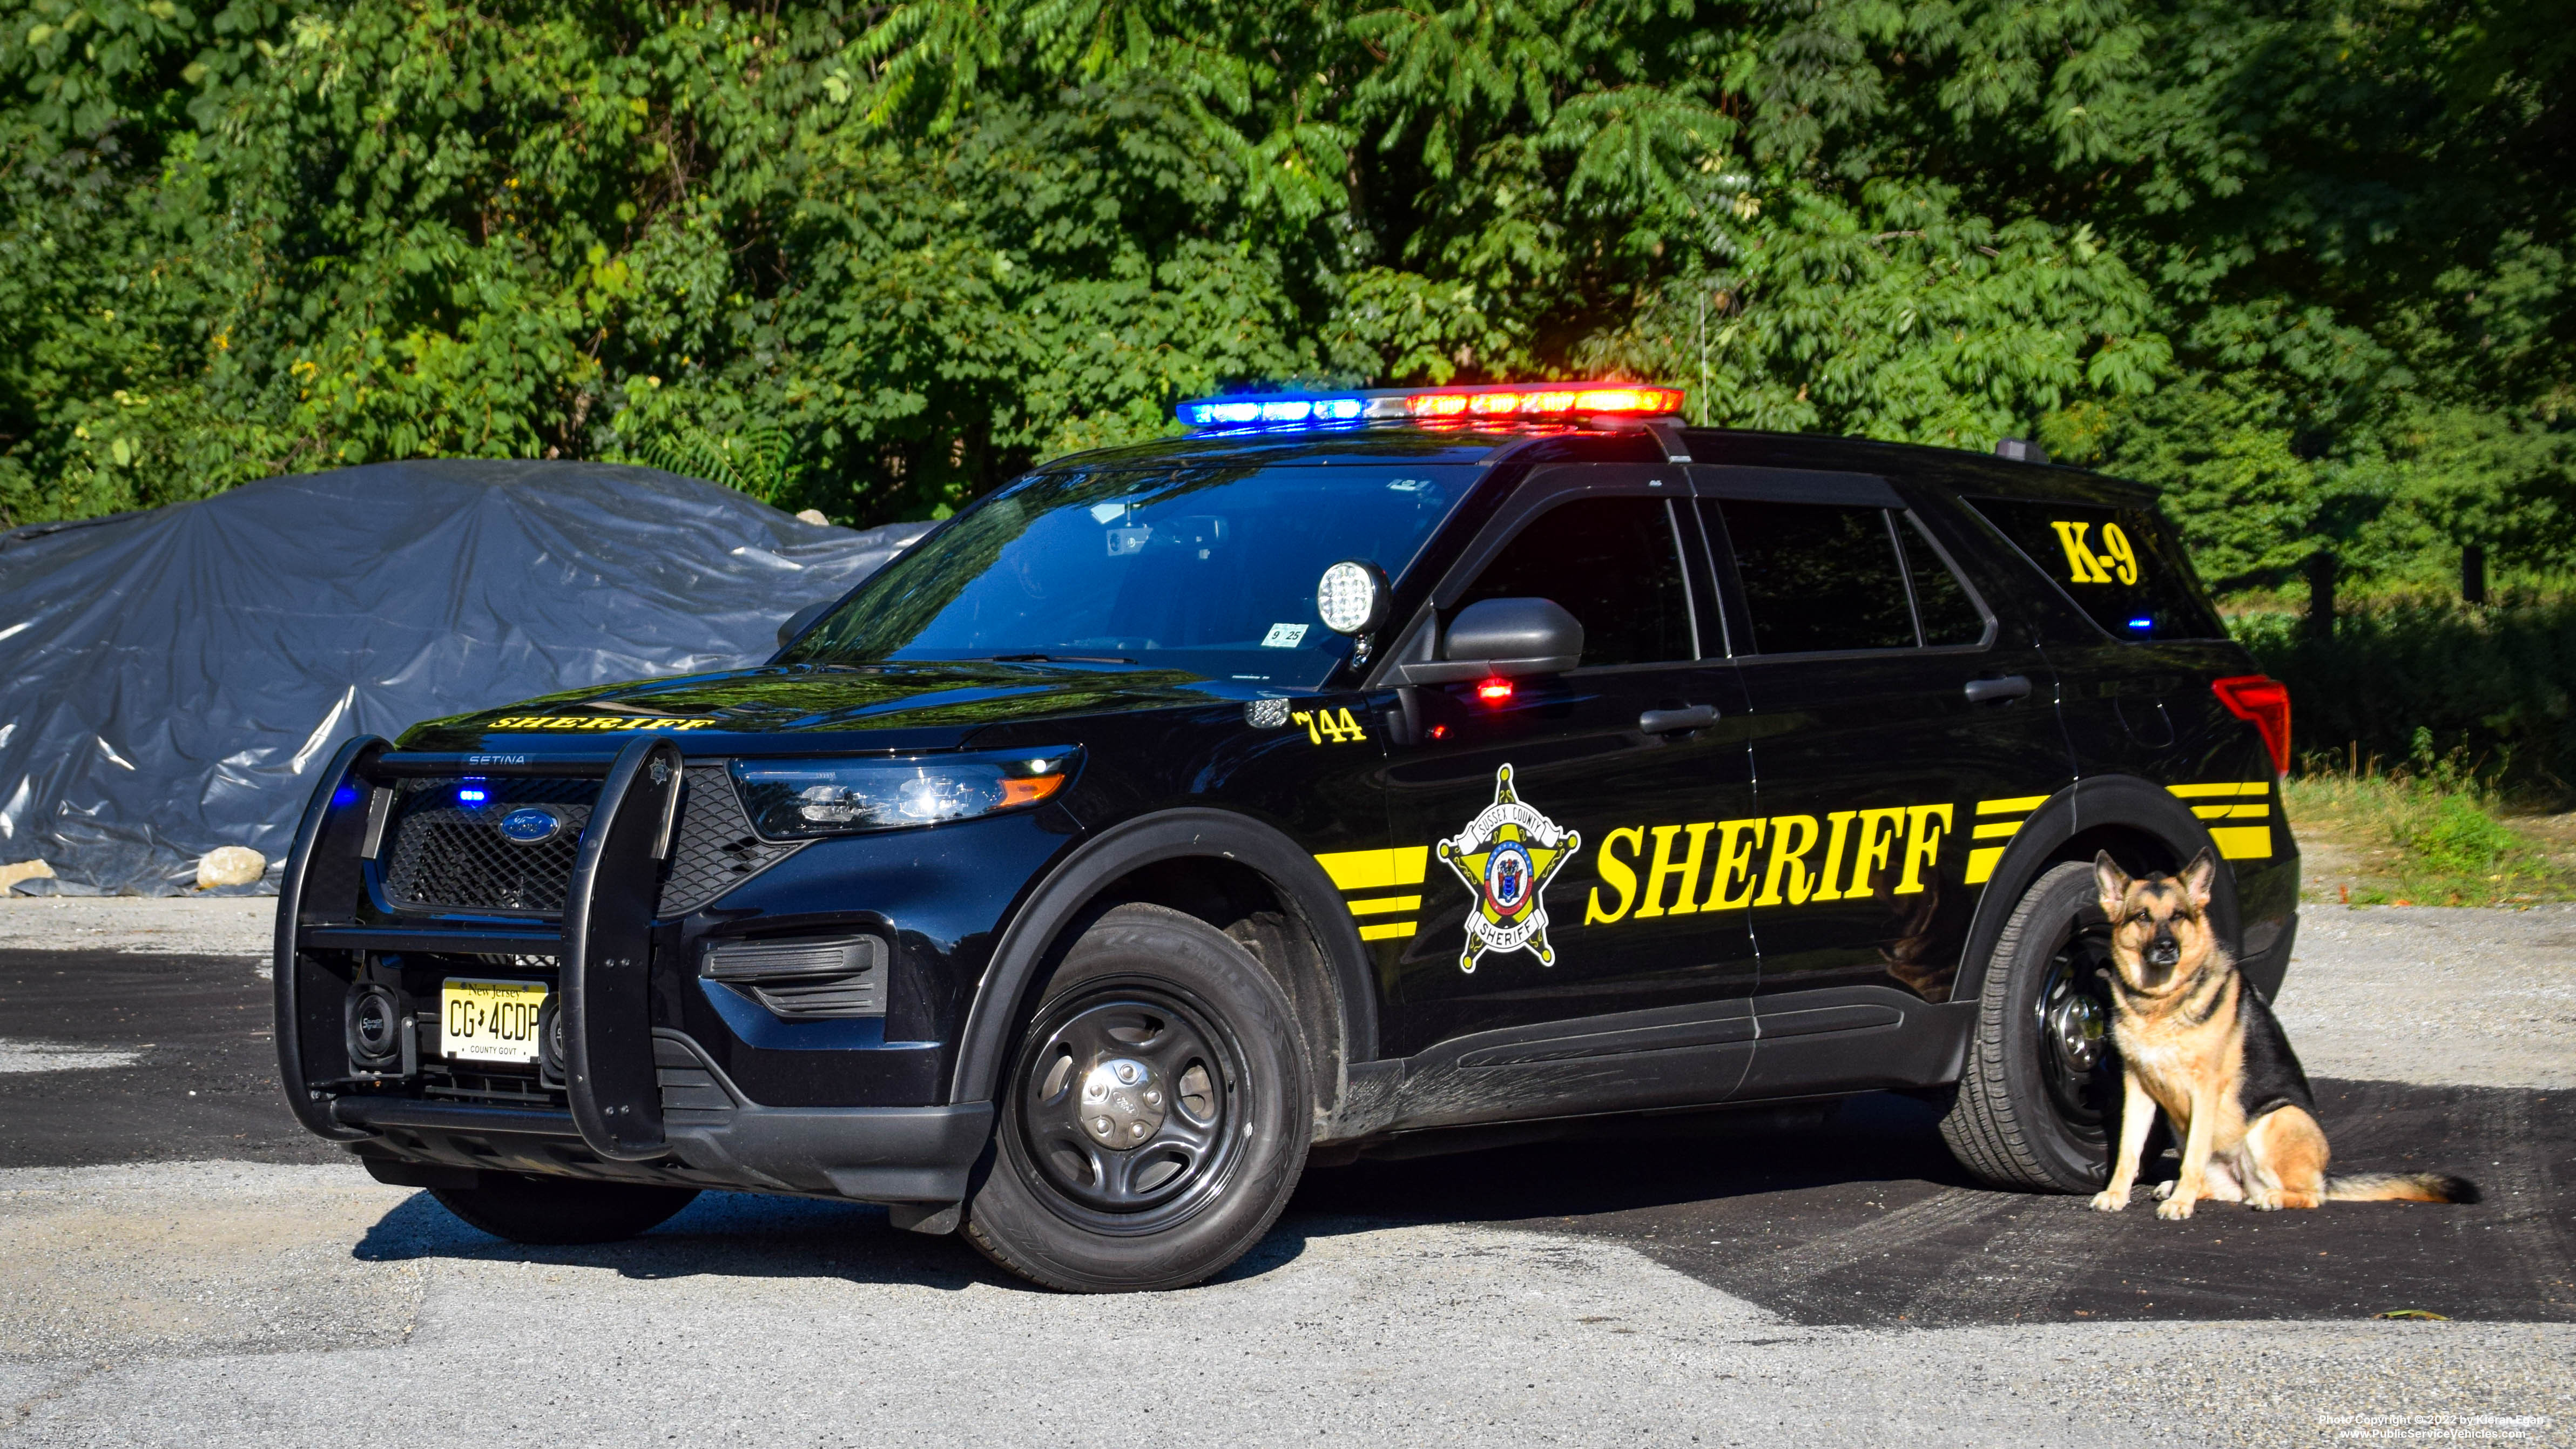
(1503, 638)
(798, 622)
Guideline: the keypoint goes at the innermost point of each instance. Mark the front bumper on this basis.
(635, 1102)
(717, 1139)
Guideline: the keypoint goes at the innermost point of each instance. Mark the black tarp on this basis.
(175, 677)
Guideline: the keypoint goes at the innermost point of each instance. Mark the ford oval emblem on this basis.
(530, 824)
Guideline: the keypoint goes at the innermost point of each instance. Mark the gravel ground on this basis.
(2434, 996)
(806, 1323)
(218, 1303)
(164, 925)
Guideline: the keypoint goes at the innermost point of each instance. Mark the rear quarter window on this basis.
(2121, 566)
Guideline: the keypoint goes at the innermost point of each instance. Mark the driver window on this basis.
(1614, 564)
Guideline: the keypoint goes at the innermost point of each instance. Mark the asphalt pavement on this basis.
(178, 1263)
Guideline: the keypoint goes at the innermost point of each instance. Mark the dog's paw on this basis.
(2174, 1209)
(2107, 1201)
(2164, 1189)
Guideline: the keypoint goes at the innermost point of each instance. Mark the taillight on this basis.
(2265, 701)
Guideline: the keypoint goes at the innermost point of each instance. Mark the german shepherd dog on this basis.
(2196, 1042)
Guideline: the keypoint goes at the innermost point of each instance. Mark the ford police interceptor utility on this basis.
(1357, 769)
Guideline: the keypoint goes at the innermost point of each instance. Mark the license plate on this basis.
(489, 1021)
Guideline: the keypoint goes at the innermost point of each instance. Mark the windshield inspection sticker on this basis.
(1507, 855)
(1284, 636)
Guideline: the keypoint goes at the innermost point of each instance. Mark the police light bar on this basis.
(1444, 404)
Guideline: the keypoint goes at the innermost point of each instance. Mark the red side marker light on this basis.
(1439, 732)
(1494, 691)
(2265, 702)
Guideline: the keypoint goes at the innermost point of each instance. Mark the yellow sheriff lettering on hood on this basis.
(604, 722)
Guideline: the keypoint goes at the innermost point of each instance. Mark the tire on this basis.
(2037, 1105)
(1155, 1117)
(561, 1210)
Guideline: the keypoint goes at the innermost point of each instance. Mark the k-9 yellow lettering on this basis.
(2118, 560)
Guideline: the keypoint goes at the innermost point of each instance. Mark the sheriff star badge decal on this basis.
(1506, 856)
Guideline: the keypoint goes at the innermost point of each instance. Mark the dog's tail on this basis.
(2401, 1187)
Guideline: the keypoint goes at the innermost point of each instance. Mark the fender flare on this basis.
(984, 1043)
(2088, 805)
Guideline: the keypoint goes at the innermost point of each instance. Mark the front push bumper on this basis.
(642, 1104)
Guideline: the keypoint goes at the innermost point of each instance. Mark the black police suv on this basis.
(1357, 769)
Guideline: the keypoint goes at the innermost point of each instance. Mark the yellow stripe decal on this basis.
(2249, 787)
(2020, 805)
(2243, 842)
(2240, 812)
(1386, 931)
(1376, 870)
(1386, 905)
(1997, 830)
(1981, 863)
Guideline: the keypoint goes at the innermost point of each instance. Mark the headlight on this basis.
(793, 799)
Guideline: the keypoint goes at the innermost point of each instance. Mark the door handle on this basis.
(2011, 686)
(1668, 721)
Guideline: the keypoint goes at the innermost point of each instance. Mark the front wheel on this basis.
(2035, 1105)
(1156, 1116)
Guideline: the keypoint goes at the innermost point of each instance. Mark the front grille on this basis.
(442, 1082)
(448, 855)
(443, 855)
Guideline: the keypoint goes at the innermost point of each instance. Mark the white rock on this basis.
(24, 870)
(812, 515)
(230, 865)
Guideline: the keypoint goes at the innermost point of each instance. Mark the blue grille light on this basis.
(468, 795)
(344, 797)
(2142, 625)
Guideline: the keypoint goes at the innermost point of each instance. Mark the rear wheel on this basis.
(1156, 1116)
(560, 1210)
(2036, 1104)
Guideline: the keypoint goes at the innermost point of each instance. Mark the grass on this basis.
(2418, 838)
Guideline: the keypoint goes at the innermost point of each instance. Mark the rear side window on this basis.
(2122, 566)
(1612, 563)
(1826, 577)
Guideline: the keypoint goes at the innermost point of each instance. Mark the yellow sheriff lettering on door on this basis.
(1689, 867)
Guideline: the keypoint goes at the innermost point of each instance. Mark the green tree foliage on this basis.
(2307, 264)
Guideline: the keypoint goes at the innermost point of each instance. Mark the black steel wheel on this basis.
(1126, 1106)
(1156, 1115)
(2038, 1099)
(2076, 1059)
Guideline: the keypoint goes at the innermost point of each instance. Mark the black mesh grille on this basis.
(451, 856)
(444, 856)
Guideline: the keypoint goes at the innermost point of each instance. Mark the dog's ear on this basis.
(2112, 882)
(2197, 876)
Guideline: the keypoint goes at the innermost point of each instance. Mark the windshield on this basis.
(1211, 570)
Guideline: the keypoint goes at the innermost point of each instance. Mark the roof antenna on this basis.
(2020, 450)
